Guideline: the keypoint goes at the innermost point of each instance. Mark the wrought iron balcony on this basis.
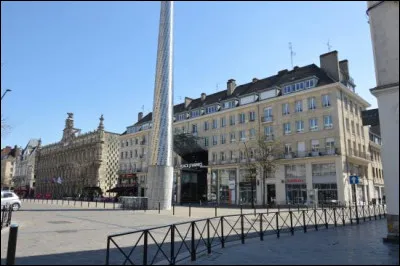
(310, 153)
(266, 119)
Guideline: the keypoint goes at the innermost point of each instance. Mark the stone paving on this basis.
(350, 245)
(62, 234)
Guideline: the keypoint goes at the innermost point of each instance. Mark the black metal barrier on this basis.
(6, 214)
(171, 244)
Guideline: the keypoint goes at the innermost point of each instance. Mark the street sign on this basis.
(354, 180)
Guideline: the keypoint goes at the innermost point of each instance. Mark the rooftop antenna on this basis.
(143, 108)
(291, 53)
(217, 88)
(329, 46)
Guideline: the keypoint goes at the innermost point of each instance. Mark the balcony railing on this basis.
(358, 153)
(310, 153)
(266, 119)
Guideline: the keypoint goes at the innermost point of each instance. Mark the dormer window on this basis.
(181, 117)
(195, 113)
(228, 105)
(211, 109)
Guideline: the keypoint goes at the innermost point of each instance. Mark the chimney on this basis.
(231, 86)
(203, 96)
(296, 67)
(255, 80)
(187, 101)
(140, 116)
(344, 70)
(329, 62)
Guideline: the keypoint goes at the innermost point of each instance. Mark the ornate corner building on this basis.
(79, 164)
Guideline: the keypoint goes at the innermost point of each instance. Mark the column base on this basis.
(393, 228)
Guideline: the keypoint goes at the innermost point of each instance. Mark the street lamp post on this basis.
(2, 96)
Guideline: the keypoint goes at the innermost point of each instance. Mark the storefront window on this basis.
(245, 188)
(296, 193)
(227, 186)
(212, 194)
(327, 193)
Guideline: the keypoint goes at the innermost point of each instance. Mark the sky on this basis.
(93, 58)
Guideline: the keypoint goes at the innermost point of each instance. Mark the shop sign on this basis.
(295, 180)
(191, 165)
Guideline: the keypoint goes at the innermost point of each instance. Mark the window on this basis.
(285, 109)
(130, 154)
(195, 113)
(268, 131)
(242, 135)
(223, 139)
(358, 129)
(206, 125)
(252, 116)
(215, 140)
(328, 121)
(351, 106)
(313, 124)
(136, 141)
(233, 136)
(362, 131)
(299, 106)
(286, 128)
(232, 120)
(300, 126)
(355, 108)
(242, 118)
(228, 105)
(325, 169)
(136, 153)
(222, 156)
(268, 112)
(295, 171)
(352, 128)
(252, 133)
(241, 155)
(211, 109)
(194, 128)
(288, 148)
(206, 141)
(311, 103)
(315, 145)
(215, 123)
(347, 125)
(223, 121)
(126, 143)
(330, 145)
(346, 104)
(326, 102)
(181, 117)
(214, 157)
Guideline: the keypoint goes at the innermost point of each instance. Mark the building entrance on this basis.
(271, 194)
(193, 185)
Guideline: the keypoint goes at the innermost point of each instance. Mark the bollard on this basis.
(12, 244)
(298, 207)
(104, 204)
(215, 210)
(241, 209)
(159, 207)
(190, 210)
(255, 210)
(173, 209)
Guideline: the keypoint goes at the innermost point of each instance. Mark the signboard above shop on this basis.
(295, 180)
(192, 165)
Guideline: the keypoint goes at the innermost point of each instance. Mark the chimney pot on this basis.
(203, 96)
(330, 64)
(255, 80)
(140, 116)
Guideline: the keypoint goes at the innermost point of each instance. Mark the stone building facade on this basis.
(24, 177)
(79, 163)
(313, 112)
(8, 159)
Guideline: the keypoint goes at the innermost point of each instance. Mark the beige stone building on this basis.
(313, 112)
(8, 159)
(80, 164)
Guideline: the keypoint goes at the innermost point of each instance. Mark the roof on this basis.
(269, 83)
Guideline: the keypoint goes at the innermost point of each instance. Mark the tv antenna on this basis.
(143, 108)
(217, 88)
(292, 53)
(329, 46)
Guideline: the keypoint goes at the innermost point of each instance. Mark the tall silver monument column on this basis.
(160, 171)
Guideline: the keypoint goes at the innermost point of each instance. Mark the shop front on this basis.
(295, 184)
(247, 188)
(222, 186)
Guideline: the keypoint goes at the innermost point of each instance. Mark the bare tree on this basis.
(262, 156)
(267, 155)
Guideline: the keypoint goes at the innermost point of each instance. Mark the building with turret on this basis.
(78, 165)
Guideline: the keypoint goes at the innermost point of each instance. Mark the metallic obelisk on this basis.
(160, 171)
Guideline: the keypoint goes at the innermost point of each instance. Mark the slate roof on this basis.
(282, 78)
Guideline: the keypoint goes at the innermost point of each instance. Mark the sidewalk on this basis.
(349, 245)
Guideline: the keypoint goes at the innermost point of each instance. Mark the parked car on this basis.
(10, 198)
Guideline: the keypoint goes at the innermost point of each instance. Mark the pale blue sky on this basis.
(94, 58)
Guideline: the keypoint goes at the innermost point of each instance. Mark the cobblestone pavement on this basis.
(349, 245)
(67, 234)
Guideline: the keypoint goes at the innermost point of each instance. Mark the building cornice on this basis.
(388, 88)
